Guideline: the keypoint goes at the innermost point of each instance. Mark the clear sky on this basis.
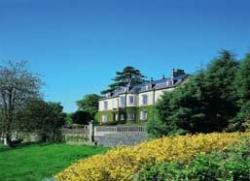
(78, 45)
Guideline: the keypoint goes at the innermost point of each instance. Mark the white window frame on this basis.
(143, 115)
(122, 101)
(116, 116)
(105, 105)
(131, 116)
(144, 99)
(104, 118)
(122, 117)
(131, 99)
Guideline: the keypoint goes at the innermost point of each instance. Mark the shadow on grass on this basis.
(15, 146)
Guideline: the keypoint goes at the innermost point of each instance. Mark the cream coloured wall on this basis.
(110, 104)
(115, 103)
(150, 98)
(100, 105)
(153, 97)
(159, 93)
(135, 100)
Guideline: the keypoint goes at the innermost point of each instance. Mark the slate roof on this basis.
(163, 83)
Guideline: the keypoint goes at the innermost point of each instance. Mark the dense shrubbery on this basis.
(230, 164)
(123, 163)
(87, 109)
(214, 99)
(42, 118)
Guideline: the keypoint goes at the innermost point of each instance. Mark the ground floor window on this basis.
(116, 117)
(143, 115)
(131, 116)
(122, 117)
(104, 118)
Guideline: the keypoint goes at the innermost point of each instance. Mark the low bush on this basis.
(230, 164)
(122, 163)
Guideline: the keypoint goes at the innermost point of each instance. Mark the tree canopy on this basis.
(243, 80)
(205, 103)
(89, 104)
(128, 76)
(81, 117)
(242, 121)
(17, 85)
(42, 117)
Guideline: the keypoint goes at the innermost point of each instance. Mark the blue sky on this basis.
(78, 45)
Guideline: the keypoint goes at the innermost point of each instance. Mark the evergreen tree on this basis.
(205, 103)
(89, 104)
(129, 75)
(243, 80)
(220, 92)
(242, 121)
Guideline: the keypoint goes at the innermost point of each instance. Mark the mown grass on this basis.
(39, 161)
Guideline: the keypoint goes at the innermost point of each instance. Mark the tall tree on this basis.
(81, 117)
(43, 118)
(17, 85)
(89, 104)
(243, 80)
(242, 121)
(205, 103)
(129, 75)
(220, 90)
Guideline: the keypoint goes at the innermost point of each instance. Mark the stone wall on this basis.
(118, 139)
(76, 136)
(119, 135)
(105, 135)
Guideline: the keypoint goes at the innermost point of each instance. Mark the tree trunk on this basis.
(5, 143)
(7, 140)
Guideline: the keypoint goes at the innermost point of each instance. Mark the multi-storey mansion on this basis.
(135, 103)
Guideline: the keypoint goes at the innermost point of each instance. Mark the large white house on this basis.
(135, 103)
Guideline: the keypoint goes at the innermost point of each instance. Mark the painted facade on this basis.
(135, 103)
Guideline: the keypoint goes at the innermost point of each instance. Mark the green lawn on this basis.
(35, 162)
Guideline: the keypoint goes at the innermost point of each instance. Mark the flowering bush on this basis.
(122, 163)
(232, 163)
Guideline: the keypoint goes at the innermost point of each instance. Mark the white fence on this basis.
(105, 135)
(102, 130)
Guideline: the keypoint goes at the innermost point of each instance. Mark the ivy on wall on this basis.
(125, 111)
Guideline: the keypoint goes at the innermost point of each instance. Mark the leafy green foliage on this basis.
(242, 120)
(230, 164)
(129, 75)
(156, 128)
(42, 117)
(243, 80)
(17, 85)
(68, 119)
(89, 104)
(205, 103)
(81, 117)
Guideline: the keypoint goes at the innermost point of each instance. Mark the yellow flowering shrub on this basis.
(121, 163)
